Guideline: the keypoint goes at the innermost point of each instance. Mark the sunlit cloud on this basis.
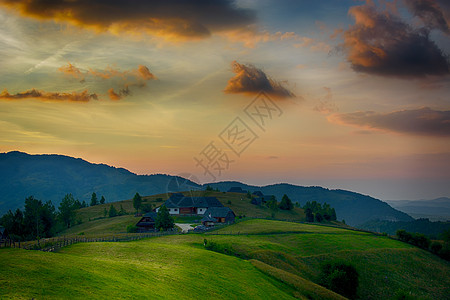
(381, 43)
(251, 80)
(83, 96)
(423, 121)
(117, 96)
(176, 19)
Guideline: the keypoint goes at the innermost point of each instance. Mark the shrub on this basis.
(340, 277)
(132, 228)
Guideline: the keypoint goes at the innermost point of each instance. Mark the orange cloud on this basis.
(83, 96)
(423, 121)
(166, 18)
(251, 80)
(381, 43)
(144, 73)
(117, 96)
(72, 71)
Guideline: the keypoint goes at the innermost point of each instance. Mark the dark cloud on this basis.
(251, 80)
(424, 121)
(434, 14)
(381, 43)
(83, 96)
(173, 18)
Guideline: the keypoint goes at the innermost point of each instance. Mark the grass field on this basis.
(281, 260)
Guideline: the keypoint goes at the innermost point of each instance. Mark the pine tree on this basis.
(164, 220)
(94, 199)
(102, 200)
(137, 202)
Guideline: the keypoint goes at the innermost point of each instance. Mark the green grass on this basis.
(281, 260)
(150, 269)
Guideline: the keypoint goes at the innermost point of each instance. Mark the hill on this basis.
(435, 209)
(50, 177)
(354, 208)
(266, 260)
(93, 221)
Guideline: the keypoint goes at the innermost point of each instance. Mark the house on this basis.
(256, 201)
(258, 194)
(3, 233)
(237, 189)
(147, 222)
(178, 204)
(216, 215)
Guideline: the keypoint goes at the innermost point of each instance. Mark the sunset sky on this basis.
(356, 94)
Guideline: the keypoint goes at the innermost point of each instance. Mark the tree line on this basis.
(41, 219)
(438, 247)
(316, 212)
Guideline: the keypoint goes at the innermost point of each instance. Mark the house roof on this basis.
(207, 218)
(258, 193)
(206, 202)
(218, 212)
(151, 215)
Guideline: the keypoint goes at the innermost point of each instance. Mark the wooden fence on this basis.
(56, 243)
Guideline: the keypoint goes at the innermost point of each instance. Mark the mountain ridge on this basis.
(51, 176)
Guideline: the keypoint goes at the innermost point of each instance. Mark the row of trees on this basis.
(285, 203)
(316, 212)
(94, 200)
(40, 219)
(440, 248)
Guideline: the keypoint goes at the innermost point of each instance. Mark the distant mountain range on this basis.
(50, 177)
(436, 209)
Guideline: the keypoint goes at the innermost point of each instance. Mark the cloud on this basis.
(380, 43)
(71, 70)
(117, 96)
(83, 96)
(144, 73)
(326, 105)
(423, 121)
(165, 18)
(251, 80)
(434, 14)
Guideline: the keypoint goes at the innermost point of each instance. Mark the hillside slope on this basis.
(266, 260)
(354, 208)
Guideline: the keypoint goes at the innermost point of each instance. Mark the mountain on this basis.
(50, 177)
(435, 209)
(354, 208)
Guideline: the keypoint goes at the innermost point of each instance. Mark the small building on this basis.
(258, 194)
(216, 215)
(147, 222)
(237, 189)
(178, 204)
(3, 233)
(256, 201)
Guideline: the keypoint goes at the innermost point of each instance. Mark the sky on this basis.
(341, 94)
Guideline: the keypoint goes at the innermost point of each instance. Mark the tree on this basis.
(309, 215)
(102, 200)
(318, 217)
(122, 211)
(112, 211)
(67, 213)
(105, 212)
(340, 277)
(209, 188)
(94, 199)
(39, 218)
(137, 202)
(272, 203)
(164, 220)
(286, 203)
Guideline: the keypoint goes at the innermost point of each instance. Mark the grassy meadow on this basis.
(269, 259)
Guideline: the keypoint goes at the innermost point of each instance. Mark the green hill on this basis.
(266, 260)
